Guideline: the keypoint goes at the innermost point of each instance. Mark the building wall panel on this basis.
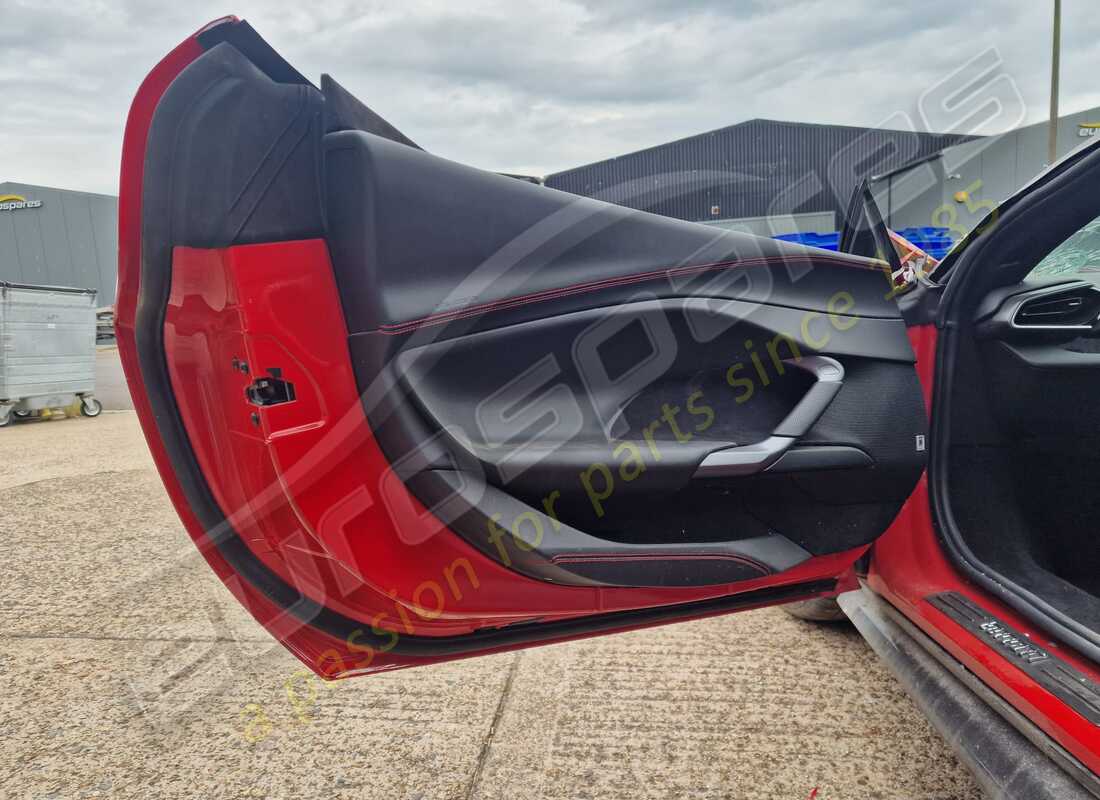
(760, 168)
(71, 240)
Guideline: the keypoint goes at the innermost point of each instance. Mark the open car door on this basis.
(412, 411)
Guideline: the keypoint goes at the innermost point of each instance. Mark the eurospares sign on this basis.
(16, 202)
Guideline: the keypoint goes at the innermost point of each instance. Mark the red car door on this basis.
(412, 411)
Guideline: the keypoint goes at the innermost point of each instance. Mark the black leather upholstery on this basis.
(417, 239)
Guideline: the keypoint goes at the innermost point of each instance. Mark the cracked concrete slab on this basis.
(753, 705)
(129, 671)
(82, 718)
(104, 554)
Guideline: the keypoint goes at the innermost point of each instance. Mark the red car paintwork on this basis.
(303, 642)
(305, 483)
(908, 565)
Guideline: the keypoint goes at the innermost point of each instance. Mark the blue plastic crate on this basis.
(934, 241)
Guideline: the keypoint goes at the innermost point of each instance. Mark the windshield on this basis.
(1077, 257)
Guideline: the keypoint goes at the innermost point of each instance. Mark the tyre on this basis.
(91, 407)
(820, 609)
(22, 414)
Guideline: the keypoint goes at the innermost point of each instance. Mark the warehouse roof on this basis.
(760, 167)
(8, 186)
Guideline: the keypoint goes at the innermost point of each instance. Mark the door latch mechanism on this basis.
(270, 390)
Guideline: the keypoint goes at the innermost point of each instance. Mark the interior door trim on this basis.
(665, 273)
(750, 459)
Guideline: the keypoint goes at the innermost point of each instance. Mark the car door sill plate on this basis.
(1048, 670)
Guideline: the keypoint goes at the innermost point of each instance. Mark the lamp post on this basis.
(1052, 141)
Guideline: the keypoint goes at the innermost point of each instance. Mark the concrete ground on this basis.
(128, 671)
(110, 383)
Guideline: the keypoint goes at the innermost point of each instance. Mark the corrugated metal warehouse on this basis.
(762, 175)
(57, 237)
(955, 188)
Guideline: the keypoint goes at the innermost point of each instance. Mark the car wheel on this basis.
(820, 609)
(22, 414)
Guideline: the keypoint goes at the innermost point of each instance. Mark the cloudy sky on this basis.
(533, 86)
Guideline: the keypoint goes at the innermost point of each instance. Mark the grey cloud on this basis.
(642, 12)
(536, 86)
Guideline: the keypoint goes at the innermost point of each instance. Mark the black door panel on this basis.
(576, 388)
(521, 536)
(648, 345)
(715, 395)
(418, 241)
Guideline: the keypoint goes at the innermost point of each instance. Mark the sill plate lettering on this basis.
(1065, 682)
